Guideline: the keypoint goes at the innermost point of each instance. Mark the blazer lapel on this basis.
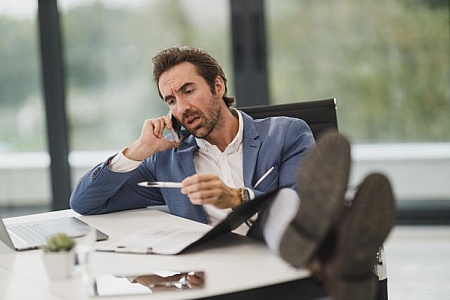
(251, 146)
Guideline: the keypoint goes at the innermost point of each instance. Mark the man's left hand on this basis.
(210, 189)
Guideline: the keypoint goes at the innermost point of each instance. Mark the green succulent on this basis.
(58, 243)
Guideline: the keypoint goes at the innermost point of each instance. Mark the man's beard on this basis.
(211, 120)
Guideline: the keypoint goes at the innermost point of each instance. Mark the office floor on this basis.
(418, 263)
(418, 260)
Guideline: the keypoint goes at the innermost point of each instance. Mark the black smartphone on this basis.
(176, 127)
(175, 124)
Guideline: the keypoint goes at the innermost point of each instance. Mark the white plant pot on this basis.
(59, 265)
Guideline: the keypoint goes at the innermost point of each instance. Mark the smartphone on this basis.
(176, 127)
(175, 124)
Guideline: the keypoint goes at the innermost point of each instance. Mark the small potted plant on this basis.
(59, 256)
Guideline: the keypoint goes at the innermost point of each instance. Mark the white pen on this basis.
(161, 184)
(263, 177)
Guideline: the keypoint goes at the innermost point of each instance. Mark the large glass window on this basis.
(387, 63)
(23, 156)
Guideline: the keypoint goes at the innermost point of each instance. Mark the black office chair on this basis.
(320, 115)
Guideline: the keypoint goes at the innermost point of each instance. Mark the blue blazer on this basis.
(281, 142)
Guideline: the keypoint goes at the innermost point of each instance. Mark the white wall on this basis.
(417, 171)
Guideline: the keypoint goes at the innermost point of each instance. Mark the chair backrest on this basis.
(320, 115)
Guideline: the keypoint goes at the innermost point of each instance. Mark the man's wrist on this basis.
(138, 151)
(120, 163)
(244, 195)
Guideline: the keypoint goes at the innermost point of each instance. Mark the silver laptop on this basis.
(34, 234)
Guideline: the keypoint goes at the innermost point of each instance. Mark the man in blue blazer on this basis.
(266, 145)
(223, 158)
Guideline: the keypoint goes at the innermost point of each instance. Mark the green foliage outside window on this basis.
(386, 62)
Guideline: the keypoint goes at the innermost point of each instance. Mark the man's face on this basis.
(190, 99)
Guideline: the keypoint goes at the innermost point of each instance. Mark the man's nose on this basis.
(182, 105)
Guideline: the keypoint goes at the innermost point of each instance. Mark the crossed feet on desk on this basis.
(338, 238)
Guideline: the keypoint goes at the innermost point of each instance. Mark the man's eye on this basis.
(170, 101)
(188, 92)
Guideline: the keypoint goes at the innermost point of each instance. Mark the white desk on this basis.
(238, 264)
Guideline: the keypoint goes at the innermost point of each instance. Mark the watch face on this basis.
(245, 195)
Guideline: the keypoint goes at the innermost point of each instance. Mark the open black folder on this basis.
(174, 240)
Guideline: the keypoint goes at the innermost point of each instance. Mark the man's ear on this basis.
(219, 86)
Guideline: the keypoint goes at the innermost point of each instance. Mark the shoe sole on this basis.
(362, 233)
(322, 182)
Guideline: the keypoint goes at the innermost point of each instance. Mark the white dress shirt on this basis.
(227, 165)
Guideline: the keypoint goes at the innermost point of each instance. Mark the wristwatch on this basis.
(244, 195)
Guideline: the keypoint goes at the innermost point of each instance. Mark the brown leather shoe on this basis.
(322, 181)
(364, 227)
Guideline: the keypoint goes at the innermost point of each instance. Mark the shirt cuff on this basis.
(251, 193)
(120, 163)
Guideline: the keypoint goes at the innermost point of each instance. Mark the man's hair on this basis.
(206, 66)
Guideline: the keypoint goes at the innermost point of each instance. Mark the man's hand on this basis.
(151, 139)
(209, 189)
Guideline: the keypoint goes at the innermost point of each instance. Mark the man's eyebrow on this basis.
(181, 89)
(168, 97)
(185, 86)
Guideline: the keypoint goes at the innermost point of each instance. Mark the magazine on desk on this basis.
(174, 240)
